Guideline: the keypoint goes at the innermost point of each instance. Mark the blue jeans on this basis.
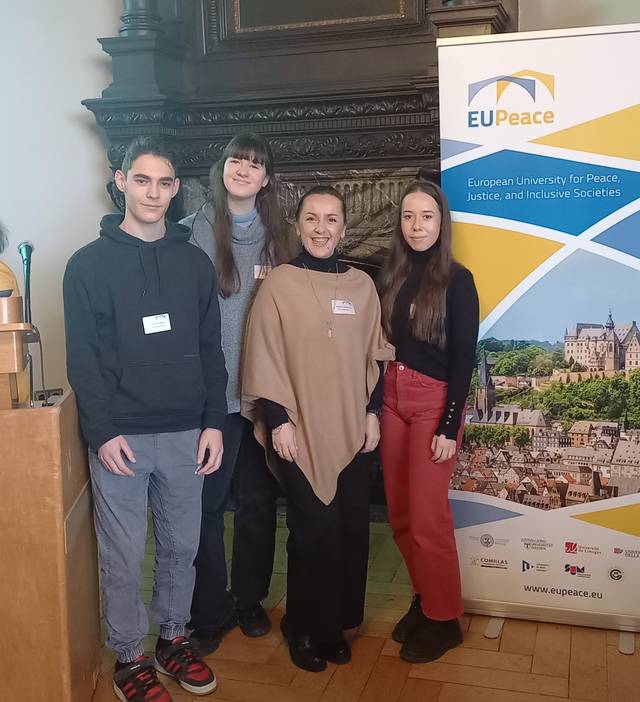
(164, 476)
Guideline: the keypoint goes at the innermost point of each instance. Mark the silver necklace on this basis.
(329, 321)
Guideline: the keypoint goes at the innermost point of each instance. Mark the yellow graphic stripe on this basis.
(623, 519)
(615, 134)
(546, 79)
(498, 258)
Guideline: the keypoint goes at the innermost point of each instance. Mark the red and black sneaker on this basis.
(137, 682)
(179, 661)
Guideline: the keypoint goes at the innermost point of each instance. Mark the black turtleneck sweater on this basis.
(454, 363)
(275, 414)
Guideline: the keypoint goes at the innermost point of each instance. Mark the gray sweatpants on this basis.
(165, 475)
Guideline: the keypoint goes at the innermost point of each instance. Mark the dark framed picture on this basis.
(255, 19)
(260, 16)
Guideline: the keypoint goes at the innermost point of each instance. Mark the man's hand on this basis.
(443, 449)
(371, 433)
(209, 439)
(284, 442)
(110, 455)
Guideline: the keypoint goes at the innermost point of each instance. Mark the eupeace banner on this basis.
(540, 144)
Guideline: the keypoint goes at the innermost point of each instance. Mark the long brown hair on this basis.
(278, 244)
(428, 318)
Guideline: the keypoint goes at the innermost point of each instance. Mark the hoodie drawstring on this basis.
(144, 271)
(158, 267)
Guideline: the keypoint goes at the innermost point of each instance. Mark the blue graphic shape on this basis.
(466, 513)
(528, 84)
(623, 236)
(491, 185)
(582, 288)
(451, 147)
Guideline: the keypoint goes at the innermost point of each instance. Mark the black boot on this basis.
(338, 652)
(303, 650)
(430, 640)
(411, 619)
(253, 619)
(207, 639)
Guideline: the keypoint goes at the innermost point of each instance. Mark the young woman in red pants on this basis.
(430, 313)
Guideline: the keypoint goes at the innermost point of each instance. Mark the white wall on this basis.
(560, 14)
(54, 166)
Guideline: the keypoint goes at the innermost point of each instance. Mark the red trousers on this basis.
(417, 488)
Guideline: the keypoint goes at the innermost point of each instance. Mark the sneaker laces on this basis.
(142, 680)
(185, 657)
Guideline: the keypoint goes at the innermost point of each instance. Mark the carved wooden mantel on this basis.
(341, 95)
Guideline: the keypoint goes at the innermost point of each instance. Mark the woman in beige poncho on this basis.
(311, 386)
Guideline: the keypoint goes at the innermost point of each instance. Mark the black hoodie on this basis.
(126, 381)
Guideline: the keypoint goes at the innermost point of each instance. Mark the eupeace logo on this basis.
(528, 81)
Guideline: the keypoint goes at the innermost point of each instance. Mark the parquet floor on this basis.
(530, 662)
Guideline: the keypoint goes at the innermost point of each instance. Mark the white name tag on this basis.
(156, 323)
(260, 272)
(342, 307)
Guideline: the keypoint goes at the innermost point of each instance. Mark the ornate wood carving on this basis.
(372, 197)
(377, 128)
(350, 98)
(140, 18)
(452, 20)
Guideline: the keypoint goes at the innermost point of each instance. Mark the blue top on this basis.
(244, 220)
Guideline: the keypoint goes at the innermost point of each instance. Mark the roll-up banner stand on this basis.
(540, 141)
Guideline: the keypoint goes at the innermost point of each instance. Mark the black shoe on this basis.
(411, 619)
(206, 639)
(339, 653)
(430, 640)
(303, 650)
(253, 620)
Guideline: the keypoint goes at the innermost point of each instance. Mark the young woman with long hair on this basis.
(243, 231)
(430, 313)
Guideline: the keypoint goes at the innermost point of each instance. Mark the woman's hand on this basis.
(371, 433)
(443, 449)
(284, 442)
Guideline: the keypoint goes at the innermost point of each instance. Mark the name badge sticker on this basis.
(260, 272)
(342, 307)
(156, 323)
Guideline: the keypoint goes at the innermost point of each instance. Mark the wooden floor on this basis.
(530, 662)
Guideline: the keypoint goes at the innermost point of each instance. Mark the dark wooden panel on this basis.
(256, 15)
(336, 86)
(241, 21)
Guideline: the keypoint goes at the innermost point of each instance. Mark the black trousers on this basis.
(255, 492)
(328, 550)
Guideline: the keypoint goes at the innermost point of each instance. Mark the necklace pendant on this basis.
(330, 332)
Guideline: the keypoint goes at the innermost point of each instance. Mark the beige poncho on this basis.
(324, 382)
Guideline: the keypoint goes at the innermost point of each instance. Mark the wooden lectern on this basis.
(49, 604)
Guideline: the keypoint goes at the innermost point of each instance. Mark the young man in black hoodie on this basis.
(144, 359)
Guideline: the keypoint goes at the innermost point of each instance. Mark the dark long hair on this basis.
(428, 318)
(323, 190)
(278, 246)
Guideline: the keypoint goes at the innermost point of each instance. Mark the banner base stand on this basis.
(538, 613)
(493, 628)
(627, 643)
